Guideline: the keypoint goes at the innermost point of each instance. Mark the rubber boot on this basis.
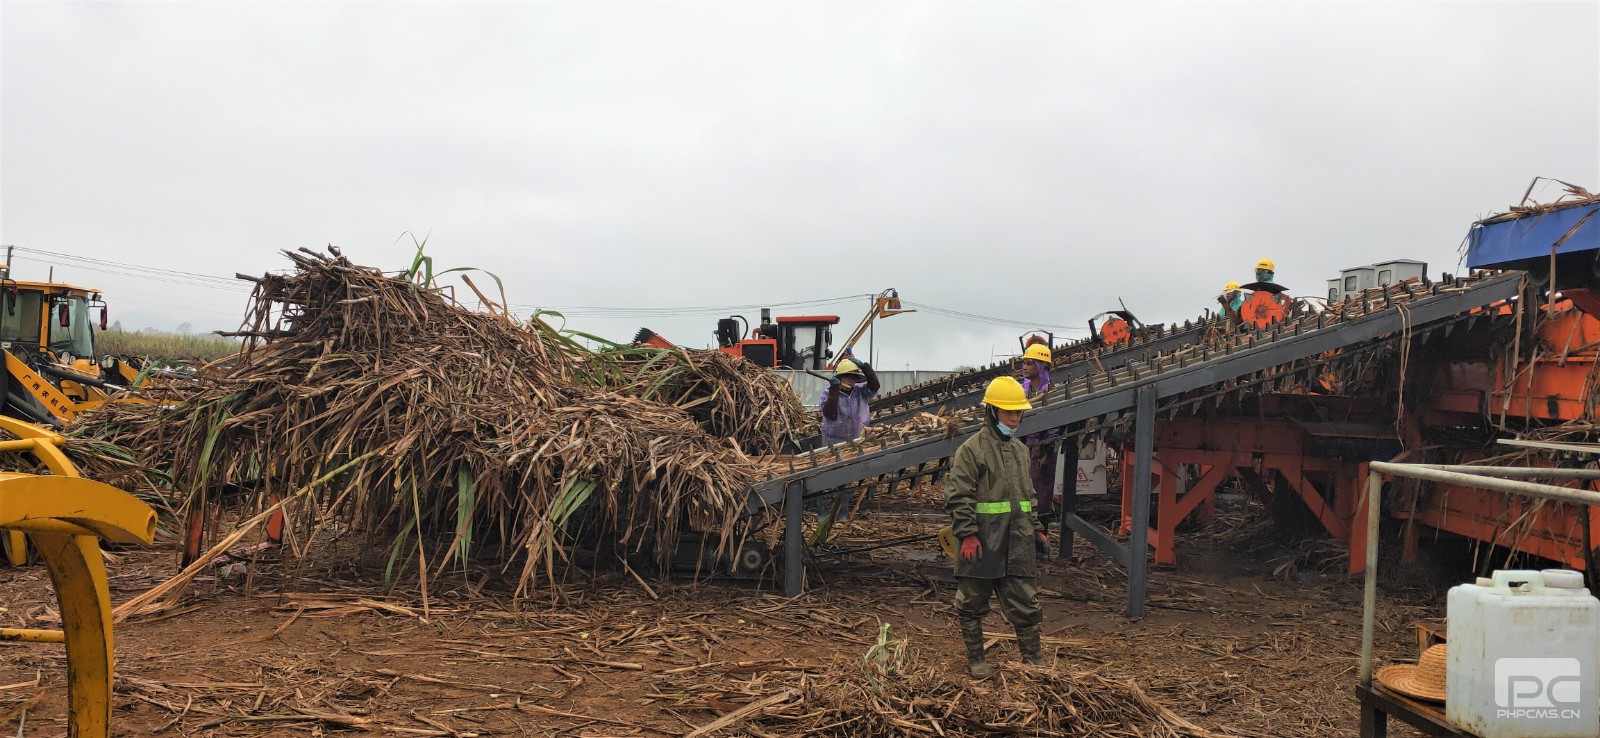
(976, 666)
(1028, 643)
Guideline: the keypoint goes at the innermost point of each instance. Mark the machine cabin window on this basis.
(19, 317)
(77, 336)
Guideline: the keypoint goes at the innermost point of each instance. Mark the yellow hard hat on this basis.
(1037, 352)
(1005, 393)
(1231, 286)
(1267, 264)
(846, 367)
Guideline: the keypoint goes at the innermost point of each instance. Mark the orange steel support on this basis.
(198, 518)
(1219, 450)
(1544, 528)
(1550, 389)
(1270, 457)
(1553, 388)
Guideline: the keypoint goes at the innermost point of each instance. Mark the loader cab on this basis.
(804, 340)
(798, 342)
(21, 316)
(71, 330)
(37, 316)
(49, 327)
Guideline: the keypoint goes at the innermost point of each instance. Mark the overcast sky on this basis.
(1028, 161)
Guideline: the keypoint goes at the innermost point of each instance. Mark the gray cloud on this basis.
(1027, 160)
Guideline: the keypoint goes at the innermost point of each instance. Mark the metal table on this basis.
(1379, 704)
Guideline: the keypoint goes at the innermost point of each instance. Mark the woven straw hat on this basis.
(1423, 680)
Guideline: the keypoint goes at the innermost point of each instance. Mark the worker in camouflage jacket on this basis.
(990, 500)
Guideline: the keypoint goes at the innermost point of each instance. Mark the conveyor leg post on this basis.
(1166, 552)
(1139, 541)
(793, 542)
(1129, 474)
(1369, 507)
(1066, 469)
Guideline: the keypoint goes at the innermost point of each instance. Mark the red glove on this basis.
(971, 549)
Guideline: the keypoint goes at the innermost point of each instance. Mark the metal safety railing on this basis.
(1495, 479)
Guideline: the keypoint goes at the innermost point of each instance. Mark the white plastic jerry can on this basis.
(1523, 651)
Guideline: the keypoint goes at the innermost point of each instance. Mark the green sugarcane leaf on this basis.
(466, 502)
(394, 554)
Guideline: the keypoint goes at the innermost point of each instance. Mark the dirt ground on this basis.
(1240, 637)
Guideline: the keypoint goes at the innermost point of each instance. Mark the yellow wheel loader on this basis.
(47, 333)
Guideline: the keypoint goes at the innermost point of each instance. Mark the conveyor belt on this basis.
(1375, 314)
(1071, 361)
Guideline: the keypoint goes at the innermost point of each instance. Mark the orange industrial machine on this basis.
(798, 342)
(792, 342)
(1266, 305)
(1457, 391)
(1113, 327)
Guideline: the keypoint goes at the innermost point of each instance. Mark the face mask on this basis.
(1005, 430)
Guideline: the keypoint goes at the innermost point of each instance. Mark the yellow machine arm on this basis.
(62, 407)
(886, 304)
(65, 398)
(67, 516)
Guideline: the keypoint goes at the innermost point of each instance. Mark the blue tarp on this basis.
(1528, 237)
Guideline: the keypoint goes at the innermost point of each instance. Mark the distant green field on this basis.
(165, 346)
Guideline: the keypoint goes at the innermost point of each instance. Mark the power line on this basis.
(124, 266)
(163, 280)
(602, 311)
(991, 320)
(133, 271)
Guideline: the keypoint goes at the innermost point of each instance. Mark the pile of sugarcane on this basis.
(727, 395)
(380, 405)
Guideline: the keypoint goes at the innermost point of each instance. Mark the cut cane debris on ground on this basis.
(1227, 648)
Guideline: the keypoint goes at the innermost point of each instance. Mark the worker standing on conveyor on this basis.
(846, 402)
(991, 513)
(1042, 456)
(1232, 298)
(1266, 273)
(1266, 270)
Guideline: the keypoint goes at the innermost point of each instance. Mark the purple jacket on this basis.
(854, 414)
(1044, 384)
(1035, 393)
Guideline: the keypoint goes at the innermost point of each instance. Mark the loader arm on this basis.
(886, 304)
(647, 337)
